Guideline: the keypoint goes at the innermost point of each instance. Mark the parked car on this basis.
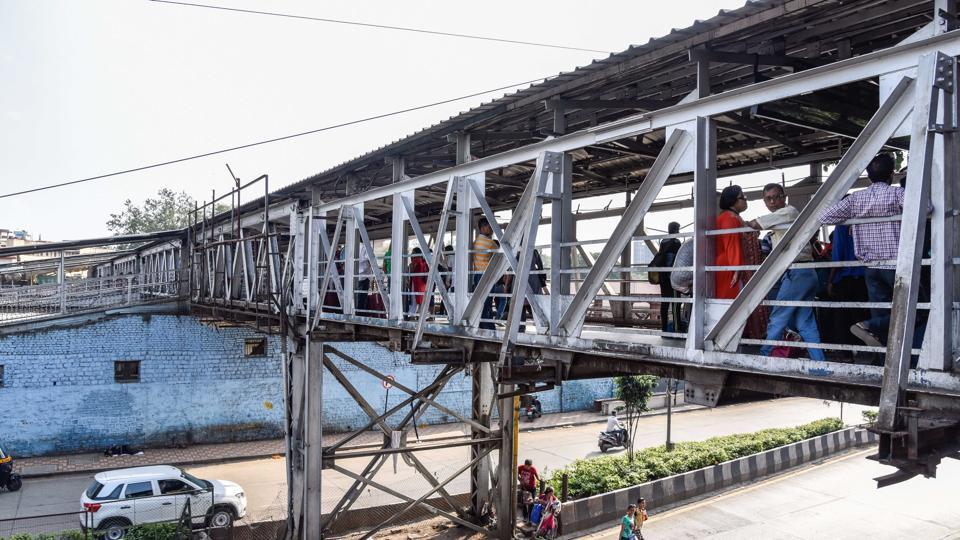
(117, 500)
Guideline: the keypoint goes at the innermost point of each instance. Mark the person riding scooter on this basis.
(614, 426)
(614, 435)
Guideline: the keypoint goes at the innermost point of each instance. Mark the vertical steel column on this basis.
(398, 244)
(462, 279)
(294, 380)
(480, 400)
(297, 223)
(313, 439)
(903, 311)
(704, 219)
(939, 339)
(624, 309)
(482, 375)
(561, 231)
(349, 254)
(509, 409)
(315, 252)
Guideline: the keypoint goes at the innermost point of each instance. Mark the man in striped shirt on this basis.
(873, 243)
(483, 247)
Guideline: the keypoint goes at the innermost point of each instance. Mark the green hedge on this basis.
(597, 475)
(153, 531)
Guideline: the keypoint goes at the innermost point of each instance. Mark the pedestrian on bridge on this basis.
(737, 249)
(796, 284)
(874, 243)
(483, 247)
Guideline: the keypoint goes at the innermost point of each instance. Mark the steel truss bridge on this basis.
(298, 260)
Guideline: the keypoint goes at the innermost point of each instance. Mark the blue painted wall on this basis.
(196, 386)
(341, 413)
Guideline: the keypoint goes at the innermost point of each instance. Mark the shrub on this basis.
(870, 416)
(152, 531)
(587, 477)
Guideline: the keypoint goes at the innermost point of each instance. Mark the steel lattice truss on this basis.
(771, 84)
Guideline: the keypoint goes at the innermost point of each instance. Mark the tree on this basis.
(170, 210)
(634, 391)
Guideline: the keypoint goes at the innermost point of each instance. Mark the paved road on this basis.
(837, 499)
(264, 480)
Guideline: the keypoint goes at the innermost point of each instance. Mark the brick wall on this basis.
(196, 386)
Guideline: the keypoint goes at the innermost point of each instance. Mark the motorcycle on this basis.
(9, 480)
(533, 412)
(610, 439)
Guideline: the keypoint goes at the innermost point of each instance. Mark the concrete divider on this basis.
(583, 514)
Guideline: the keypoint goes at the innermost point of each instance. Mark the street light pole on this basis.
(669, 413)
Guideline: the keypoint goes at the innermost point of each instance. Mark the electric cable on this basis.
(267, 141)
(382, 26)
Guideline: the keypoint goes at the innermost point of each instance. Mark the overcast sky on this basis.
(92, 87)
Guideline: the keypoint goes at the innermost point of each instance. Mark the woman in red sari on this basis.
(737, 249)
(418, 283)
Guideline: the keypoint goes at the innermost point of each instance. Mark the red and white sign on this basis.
(386, 383)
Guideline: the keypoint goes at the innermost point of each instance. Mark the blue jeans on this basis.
(880, 289)
(800, 284)
(487, 312)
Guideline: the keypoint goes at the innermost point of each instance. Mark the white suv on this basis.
(119, 499)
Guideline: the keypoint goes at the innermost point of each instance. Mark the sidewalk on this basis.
(274, 448)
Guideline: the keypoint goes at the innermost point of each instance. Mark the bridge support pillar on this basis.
(507, 469)
(304, 449)
(480, 474)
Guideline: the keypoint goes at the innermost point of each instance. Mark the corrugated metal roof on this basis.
(723, 17)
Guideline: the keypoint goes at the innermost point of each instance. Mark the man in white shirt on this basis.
(797, 283)
(614, 426)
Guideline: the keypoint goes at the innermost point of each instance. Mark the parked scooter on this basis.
(611, 439)
(9, 480)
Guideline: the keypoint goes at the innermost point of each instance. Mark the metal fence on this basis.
(33, 302)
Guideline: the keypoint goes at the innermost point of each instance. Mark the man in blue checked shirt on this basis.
(875, 242)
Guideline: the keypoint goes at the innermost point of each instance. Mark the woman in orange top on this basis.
(736, 249)
(729, 247)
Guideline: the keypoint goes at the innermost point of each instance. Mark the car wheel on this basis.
(114, 529)
(220, 518)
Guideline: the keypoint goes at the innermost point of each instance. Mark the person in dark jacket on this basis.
(665, 257)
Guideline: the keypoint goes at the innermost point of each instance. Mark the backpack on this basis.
(658, 260)
(682, 280)
(663, 258)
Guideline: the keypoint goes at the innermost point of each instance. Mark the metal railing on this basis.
(33, 302)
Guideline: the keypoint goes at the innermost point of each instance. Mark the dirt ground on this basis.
(430, 529)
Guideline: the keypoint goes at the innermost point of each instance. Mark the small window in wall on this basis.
(126, 371)
(1, 375)
(255, 347)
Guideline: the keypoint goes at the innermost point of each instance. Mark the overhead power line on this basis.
(384, 26)
(267, 141)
